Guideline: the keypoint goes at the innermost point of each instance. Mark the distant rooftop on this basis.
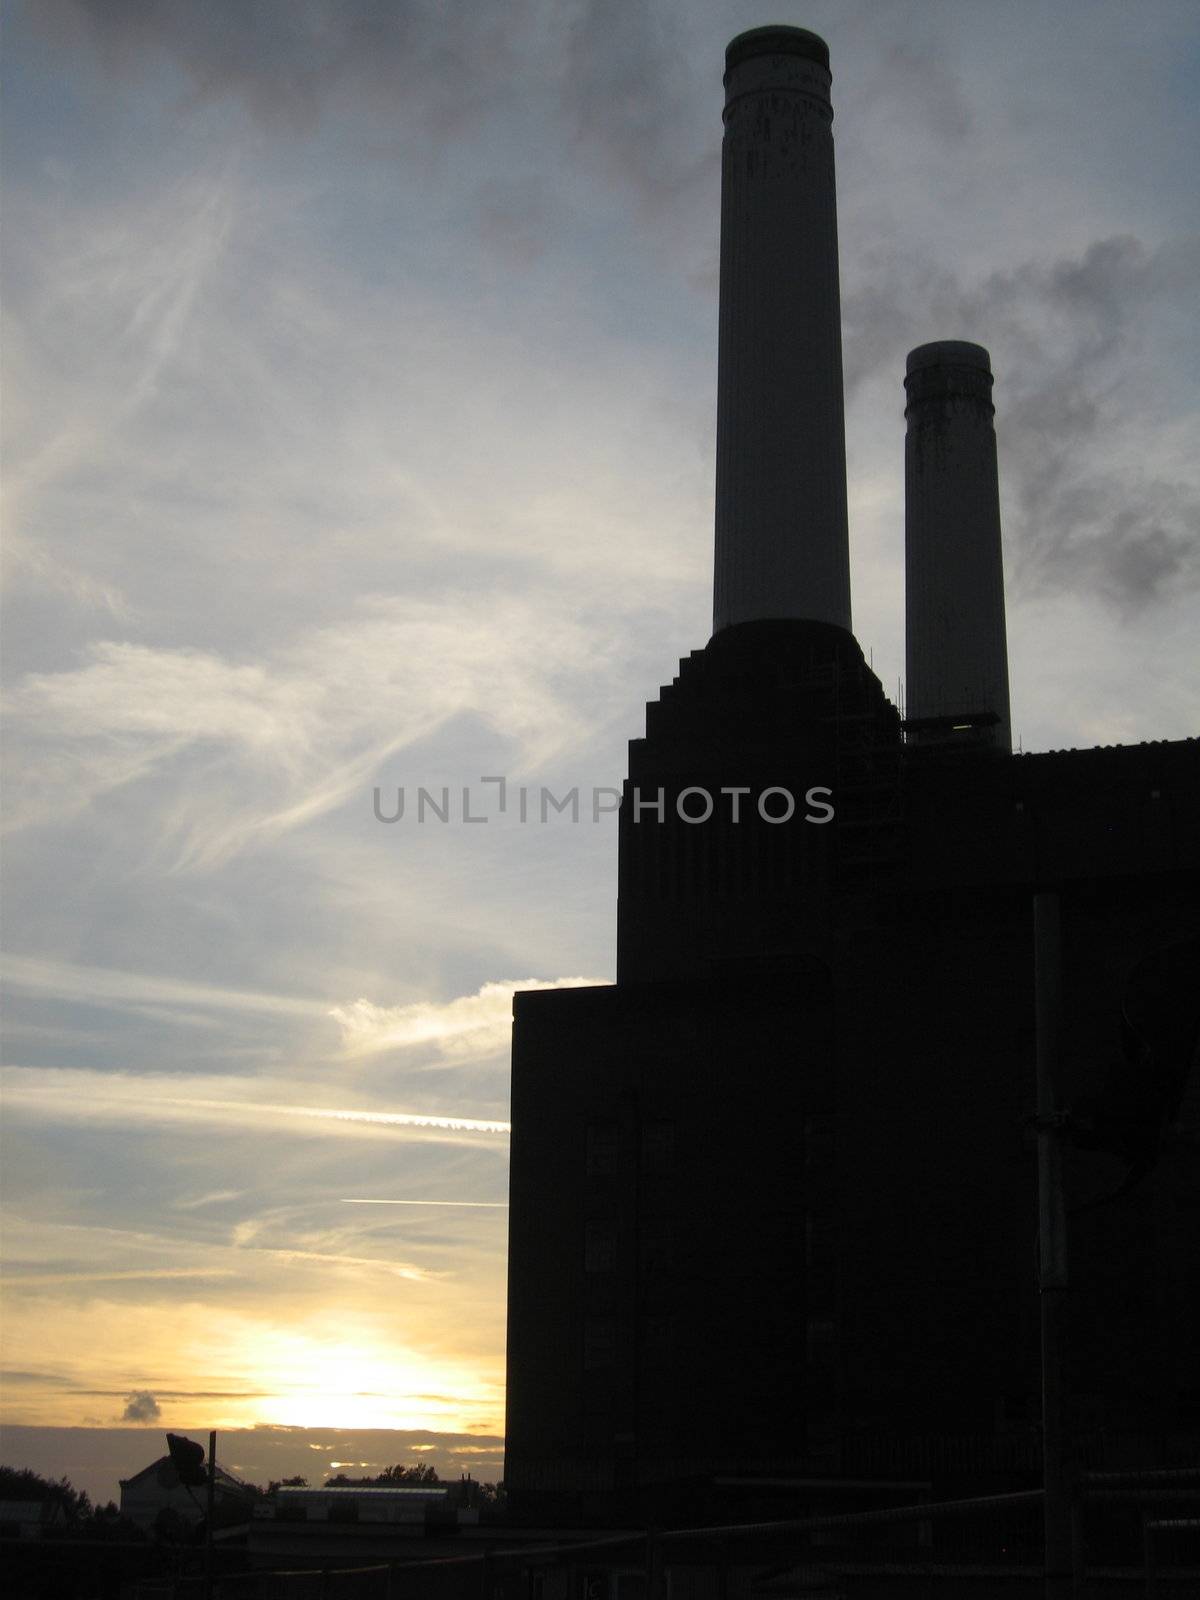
(413, 1491)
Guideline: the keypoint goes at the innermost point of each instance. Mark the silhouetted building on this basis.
(157, 1488)
(773, 1202)
(358, 1525)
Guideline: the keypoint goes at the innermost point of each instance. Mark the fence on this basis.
(1133, 1539)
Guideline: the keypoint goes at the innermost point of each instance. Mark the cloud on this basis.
(397, 1269)
(1091, 512)
(214, 1197)
(513, 219)
(295, 1239)
(628, 95)
(131, 1275)
(469, 1026)
(69, 1094)
(610, 70)
(272, 746)
(411, 60)
(1089, 507)
(133, 990)
(380, 1119)
(305, 1358)
(135, 691)
(920, 95)
(141, 1406)
(34, 564)
(95, 345)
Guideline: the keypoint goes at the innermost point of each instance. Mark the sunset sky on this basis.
(359, 407)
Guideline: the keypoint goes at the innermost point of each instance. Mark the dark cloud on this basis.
(608, 77)
(1130, 542)
(514, 222)
(1075, 329)
(920, 90)
(290, 63)
(630, 100)
(1068, 341)
(141, 1406)
(602, 85)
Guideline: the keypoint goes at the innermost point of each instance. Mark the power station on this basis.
(773, 1209)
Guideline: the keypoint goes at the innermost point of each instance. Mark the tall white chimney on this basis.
(956, 654)
(781, 543)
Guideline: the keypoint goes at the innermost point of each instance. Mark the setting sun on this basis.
(319, 1382)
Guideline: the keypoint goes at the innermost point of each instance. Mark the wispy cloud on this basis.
(29, 562)
(215, 1197)
(106, 987)
(274, 746)
(68, 1094)
(392, 1119)
(125, 299)
(129, 1275)
(270, 1240)
(329, 1259)
(469, 1026)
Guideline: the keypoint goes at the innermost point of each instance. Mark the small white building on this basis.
(157, 1488)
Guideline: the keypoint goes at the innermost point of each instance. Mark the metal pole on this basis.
(1052, 1247)
(208, 1526)
(653, 1564)
(1151, 1571)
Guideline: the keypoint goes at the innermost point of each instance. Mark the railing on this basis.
(1133, 1539)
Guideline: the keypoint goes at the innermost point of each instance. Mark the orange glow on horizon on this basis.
(307, 1378)
(344, 1371)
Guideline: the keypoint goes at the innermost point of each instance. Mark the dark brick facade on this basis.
(773, 1194)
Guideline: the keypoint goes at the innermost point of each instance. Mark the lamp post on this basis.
(208, 1521)
(188, 1458)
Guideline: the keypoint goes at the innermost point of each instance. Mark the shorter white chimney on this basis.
(956, 653)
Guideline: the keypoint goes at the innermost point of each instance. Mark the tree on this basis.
(421, 1472)
(20, 1483)
(286, 1483)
